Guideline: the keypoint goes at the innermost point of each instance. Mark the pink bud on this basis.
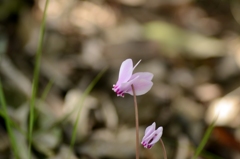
(151, 136)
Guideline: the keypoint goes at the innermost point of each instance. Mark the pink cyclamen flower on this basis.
(142, 81)
(151, 136)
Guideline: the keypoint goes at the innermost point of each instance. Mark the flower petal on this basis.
(125, 87)
(148, 139)
(143, 75)
(150, 129)
(158, 134)
(125, 72)
(141, 86)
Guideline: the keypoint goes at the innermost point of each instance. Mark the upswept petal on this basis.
(148, 139)
(151, 136)
(125, 72)
(143, 75)
(158, 135)
(137, 64)
(141, 86)
(150, 129)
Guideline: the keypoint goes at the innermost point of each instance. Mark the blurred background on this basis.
(191, 46)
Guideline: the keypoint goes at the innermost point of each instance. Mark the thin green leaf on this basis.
(204, 140)
(80, 105)
(35, 78)
(13, 124)
(46, 90)
(8, 123)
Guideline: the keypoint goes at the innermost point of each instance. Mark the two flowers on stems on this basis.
(137, 84)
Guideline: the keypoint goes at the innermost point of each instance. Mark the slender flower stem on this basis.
(136, 120)
(164, 150)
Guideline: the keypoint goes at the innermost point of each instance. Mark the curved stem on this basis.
(164, 150)
(136, 120)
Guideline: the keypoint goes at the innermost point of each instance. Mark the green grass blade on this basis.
(46, 90)
(13, 124)
(35, 78)
(89, 88)
(16, 126)
(204, 140)
(8, 123)
(80, 105)
(43, 97)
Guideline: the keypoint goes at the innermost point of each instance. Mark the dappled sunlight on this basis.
(224, 111)
(89, 15)
(86, 15)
